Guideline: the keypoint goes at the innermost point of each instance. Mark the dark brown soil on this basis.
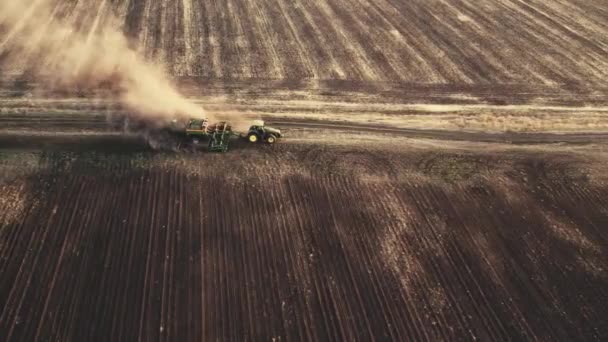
(302, 242)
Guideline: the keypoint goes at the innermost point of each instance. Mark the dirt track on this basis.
(24, 131)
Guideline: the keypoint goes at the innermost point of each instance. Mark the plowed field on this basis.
(304, 241)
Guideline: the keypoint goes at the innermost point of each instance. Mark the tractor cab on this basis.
(260, 132)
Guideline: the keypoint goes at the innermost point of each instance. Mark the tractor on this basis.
(259, 132)
(194, 132)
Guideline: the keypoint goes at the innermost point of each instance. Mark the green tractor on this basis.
(195, 132)
(259, 132)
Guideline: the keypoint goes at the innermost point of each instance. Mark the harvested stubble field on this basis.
(439, 41)
(360, 61)
(443, 176)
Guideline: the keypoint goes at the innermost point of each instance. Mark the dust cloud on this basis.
(89, 55)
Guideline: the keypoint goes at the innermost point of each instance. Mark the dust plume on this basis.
(88, 54)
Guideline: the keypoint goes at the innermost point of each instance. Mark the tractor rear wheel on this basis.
(253, 138)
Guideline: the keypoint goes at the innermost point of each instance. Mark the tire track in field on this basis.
(477, 70)
(258, 17)
(465, 29)
(566, 45)
(427, 39)
(120, 13)
(132, 252)
(188, 37)
(253, 45)
(440, 298)
(127, 253)
(341, 292)
(12, 311)
(366, 250)
(14, 243)
(363, 33)
(306, 255)
(543, 38)
(404, 258)
(203, 65)
(231, 61)
(71, 295)
(350, 48)
(155, 22)
(110, 261)
(409, 62)
(305, 261)
(524, 252)
(322, 234)
(78, 279)
(249, 272)
(60, 262)
(491, 250)
(295, 40)
(145, 30)
(287, 275)
(328, 43)
(145, 332)
(592, 13)
(173, 225)
(582, 21)
(165, 38)
(241, 43)
(164, 262)
(556, 19)
(510, 49)
(215, 36)
(319, 61)
(491, 323)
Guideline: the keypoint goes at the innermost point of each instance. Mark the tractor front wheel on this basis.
(271, 139)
